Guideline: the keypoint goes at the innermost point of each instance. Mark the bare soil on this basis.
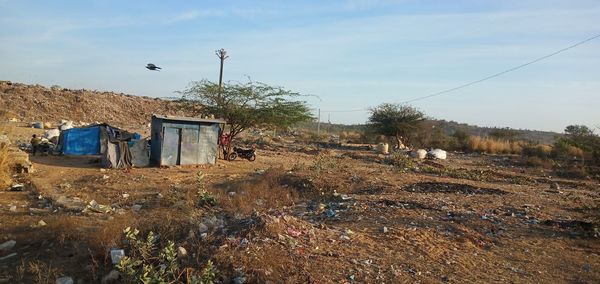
(306, 214)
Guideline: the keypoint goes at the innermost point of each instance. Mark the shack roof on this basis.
(190, 119)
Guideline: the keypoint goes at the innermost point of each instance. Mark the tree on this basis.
(395, 120)
(504, 134)
(246, 105)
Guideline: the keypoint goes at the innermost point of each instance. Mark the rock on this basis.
(136, 207)
(65, 280)
(181, 252)
(116, 255)
(437, 154)
(71, 204)
(112, 277)
(419, 154)
(384, 230)
(41, 223)
(202, 228)
(239, 280)
(8, 245)
(13, 208)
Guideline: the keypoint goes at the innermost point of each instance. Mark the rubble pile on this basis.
(39, 103)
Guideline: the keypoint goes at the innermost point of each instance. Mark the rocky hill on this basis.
(30, 103)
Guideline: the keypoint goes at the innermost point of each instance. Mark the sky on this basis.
(348, 56)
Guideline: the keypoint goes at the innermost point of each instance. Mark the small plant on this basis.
(400, 160)
(205, 197)
(145, 265)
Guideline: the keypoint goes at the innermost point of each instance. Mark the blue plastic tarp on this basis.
(82, 141)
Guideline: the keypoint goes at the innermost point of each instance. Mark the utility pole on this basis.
(222, 54)
(319, 124)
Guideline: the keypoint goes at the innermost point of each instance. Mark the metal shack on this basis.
(184, 140)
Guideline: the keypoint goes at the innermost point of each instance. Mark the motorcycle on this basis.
(248, 154)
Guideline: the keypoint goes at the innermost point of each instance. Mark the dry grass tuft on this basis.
(258, 195)
(493, 146)
(5, 166)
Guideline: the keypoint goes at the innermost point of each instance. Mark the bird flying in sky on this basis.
(152, 67)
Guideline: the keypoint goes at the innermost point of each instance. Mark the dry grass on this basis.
(42, 272)
(258, 195)
(493, 146)
(5, 166)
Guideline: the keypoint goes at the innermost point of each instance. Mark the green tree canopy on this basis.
(395, 120)
(247, 105)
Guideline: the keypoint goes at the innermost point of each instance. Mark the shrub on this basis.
(205, 197)
(493, 146)
(537, 150)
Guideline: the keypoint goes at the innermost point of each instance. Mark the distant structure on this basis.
(152, 67)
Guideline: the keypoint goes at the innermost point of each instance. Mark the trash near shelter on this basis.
(112, 143)
(184, 140)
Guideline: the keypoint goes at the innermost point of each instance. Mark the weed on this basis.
(205, 197)
(143, 264)
(401, 161)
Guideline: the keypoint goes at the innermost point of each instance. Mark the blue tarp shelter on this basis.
(81, 141)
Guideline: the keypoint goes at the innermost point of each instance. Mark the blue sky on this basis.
(351, 54)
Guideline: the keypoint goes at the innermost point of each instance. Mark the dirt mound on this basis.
(38, 103)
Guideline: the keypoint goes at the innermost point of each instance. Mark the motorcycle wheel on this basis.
(252, 158)
(232, 156)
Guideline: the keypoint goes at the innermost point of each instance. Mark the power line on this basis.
(505, 71)
(485, 78)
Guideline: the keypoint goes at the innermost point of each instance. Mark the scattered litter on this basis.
(65, 280)
(105, 177)
(384, 230)
(112, 277)
(330, 213)
(94, 206)
(181, 252)
(136, 207)
(8, 245)
(231, 193)
(8, 256)
(437, 154)
(17, 187)
(13, 208)
(125, 195)
(239, 280)
(41, 223)
(40, 211)
(243, 242)
(346, 197)
(419, 154)
(293, 232)
(116, 255)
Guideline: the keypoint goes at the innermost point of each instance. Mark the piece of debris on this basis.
(112, 277)
(330, 213)
(94, 206)
(17, 187)
(64, 280)
(41, 223)
(8, 245)
(437, 154)
(125, 195)
(116, 255)
(181, 252)
(8, 256)
(13, 208)
(419, 154)
(239, 280)
(136, 207)
(554, 186)
(384, 230)
(105, 177)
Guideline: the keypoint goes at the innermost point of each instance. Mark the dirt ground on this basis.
(304, 214)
